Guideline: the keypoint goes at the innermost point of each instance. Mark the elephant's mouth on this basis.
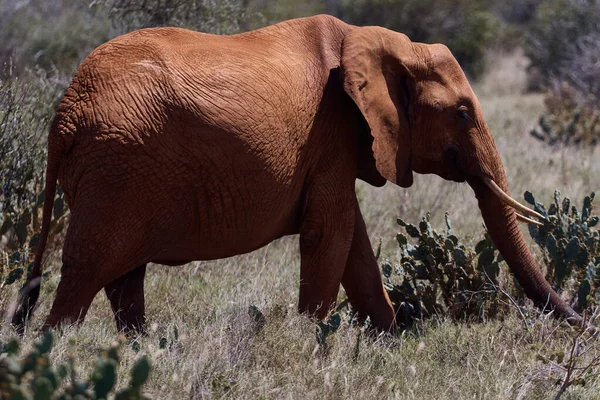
(455, 169)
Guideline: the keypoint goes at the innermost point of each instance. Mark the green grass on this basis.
(222, 353)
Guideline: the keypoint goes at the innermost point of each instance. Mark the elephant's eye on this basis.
(463, 113)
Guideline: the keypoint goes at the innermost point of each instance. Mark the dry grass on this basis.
(223, 353)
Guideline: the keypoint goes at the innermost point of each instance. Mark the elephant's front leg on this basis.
(326, 234)
(362, 281)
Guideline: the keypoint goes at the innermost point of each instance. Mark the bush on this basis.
(466, 27)
(442, 276)
(50, 35)
(563, 44)
(33, 376)
(25, 113)
(220, 17)
(567, 121)
(571, 248)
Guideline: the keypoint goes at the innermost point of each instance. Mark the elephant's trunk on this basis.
(501, 221)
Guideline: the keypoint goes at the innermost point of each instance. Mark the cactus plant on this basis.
(571, 247)
(34, 377)
(441, 275)
(567, 122)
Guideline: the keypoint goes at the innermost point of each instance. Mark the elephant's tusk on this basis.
(509, 200)
(528, 220)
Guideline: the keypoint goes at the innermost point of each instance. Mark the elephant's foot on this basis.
(74, 296)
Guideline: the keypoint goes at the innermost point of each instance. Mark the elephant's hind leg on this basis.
(126, 295)
(362, 281)
(74, 295)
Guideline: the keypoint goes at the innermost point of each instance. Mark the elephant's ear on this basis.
(378, 67)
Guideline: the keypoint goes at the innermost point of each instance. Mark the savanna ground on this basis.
(217, 349)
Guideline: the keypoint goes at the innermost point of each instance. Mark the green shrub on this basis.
(562, 44)
(25, 112)
(571, 246)
(568, 121)
(442, 276)
(50, 35)
(221, 17)
(466, 27)
(32, 376)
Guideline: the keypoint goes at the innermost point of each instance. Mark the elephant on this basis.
(172, 145)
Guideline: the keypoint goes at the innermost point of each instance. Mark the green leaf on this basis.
(42, 389)
(21, 231)
(539, 207)
(583, 257)
(400, 222)
(6, 225)
(587, 208)
(572, 249)
(13, 276)
(378, 252)
(560, 271)
(412, 231)
(583, 292)
(529, 198)
(485, 258)
(593, 221)
(460, 257)
(387, 269)
(448, 224)
(425, 228)
(551, 244)
(104, 377)
(482, 245)
(402, 240)
(34, 241)
(566, 204)
(492, 270)
(15, 258)
(587, 202)
(127, 394)
(44, 345)
(59, 208)
(140, 372)
(162, 343)
(257, 316)
(40, 198)
(334, 321)
(11, 348)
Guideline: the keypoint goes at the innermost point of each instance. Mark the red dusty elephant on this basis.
(173, 145)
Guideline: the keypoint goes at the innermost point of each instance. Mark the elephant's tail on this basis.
(30, 291)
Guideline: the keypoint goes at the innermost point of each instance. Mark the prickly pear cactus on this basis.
(569, 126)
(440, 275)
(32, 376)
(571, 247)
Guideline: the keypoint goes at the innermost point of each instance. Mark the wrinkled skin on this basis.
(173, 145)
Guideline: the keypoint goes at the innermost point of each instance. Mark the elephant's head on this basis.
(424, 117)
